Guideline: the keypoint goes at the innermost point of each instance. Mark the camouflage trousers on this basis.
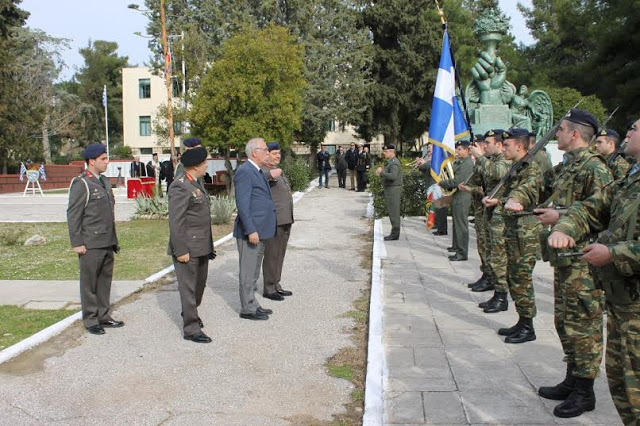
(578, 307)
(482, 237)
(521, 236)
(623, 360)
(497, 254)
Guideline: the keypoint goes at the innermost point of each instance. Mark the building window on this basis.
(144, 88)
(146, 151)
(145, 125)
(332, 126)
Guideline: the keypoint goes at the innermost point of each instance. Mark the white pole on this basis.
(106, 117)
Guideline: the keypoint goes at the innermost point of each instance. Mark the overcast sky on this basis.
(111, 20)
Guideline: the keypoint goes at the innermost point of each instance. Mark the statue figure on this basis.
(492, 100)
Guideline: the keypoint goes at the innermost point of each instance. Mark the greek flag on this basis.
(23, 171)
(104, 96)
(43, 174)
(447, 120)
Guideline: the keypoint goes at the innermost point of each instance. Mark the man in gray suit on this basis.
(190, 239)
(255, 223)
(92, 231)
(276, 247)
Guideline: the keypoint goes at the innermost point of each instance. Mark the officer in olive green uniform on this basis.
(391, 177)
(461, 203)
(521, 192)
(578, 304)
(92, 231)
(191, 240)
(607, 144)
(616, 261)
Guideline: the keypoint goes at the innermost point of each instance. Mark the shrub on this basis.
(298, 172)
(151, 207)
(413, 194)
(121, 152)
(11, 236)
(222, 208)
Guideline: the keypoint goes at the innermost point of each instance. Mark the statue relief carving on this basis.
(493, 101)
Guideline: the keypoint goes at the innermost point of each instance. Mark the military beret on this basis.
(630, 124)
(580, 116)
(389, 146)
(532, 134)
(493, 132)
(515, 132)
(463, 143)
(609, 132)
(192, 142)
(478, 138)
(94, 150)
(194, 156)
(273, 146)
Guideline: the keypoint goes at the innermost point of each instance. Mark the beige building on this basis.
(142, 94)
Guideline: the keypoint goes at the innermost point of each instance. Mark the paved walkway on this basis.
(264, 372)
(52, 207)
(446, 363)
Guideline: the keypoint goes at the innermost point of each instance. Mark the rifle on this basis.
(530, 154)
(571, 254)
(560, 210)
(603, 126)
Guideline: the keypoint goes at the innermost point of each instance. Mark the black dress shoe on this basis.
(112, 324)
(439, 233)
(451, 250)
(95, 329)
(199, 338)
(457, 258)
(264, 311)
(257, 316)
(285, 293)
(273, 296)
(391, 238)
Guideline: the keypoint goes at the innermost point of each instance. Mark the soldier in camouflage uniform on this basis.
(521, 191)
(607, 144)
(616, 261)
(495, 169)
(578, 304)
(475, 186)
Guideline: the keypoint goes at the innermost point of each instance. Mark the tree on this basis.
(253, 90)
(102, 66)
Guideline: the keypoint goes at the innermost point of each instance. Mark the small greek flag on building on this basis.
(447, 120)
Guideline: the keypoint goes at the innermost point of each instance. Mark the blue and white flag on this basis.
(23, 171)
(104, 96)
(43, 174)
(447, 120)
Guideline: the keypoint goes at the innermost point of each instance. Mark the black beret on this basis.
(193, 157)
(532, 134)
(630, 124)
(580, 116)
(389, 146)
(192, 142)
(463, 143)
(273, 146)
(515, 132)
(94, 150)
(493, 132)
(609, 132)
(478, 138)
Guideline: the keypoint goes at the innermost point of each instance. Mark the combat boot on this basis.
(526, 333)
(511, 330)
(482, 305)
(478, 281)
(562, 390)
(485, 285)
(581, 399)
(498, 304)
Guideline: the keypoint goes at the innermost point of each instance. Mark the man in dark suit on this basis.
(255, 222)
(137, 169)
(191, 240)
(275, 248)
(92, 231)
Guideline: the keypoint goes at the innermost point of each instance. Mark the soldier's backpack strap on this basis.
(86, 185)
(631, 212)
(557, 192)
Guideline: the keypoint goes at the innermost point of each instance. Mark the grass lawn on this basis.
(18, 323)
(143, 250)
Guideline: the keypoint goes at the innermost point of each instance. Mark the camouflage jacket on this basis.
(524, 187)
(619, 166)
(598, 213)
(583, 174)
(542, 160)
(494, 169)
(477, 182)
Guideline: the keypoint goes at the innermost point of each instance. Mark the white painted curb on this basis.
(376, 363)
(57, 328)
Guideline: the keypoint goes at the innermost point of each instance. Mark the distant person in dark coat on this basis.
(352, 159)
(137, 169)
(323, 166)
(341, 167)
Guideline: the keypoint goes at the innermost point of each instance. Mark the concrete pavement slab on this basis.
(463, 372)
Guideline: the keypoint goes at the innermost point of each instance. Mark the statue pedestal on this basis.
(487, 117)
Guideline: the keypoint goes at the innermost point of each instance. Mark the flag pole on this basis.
(106, 117)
